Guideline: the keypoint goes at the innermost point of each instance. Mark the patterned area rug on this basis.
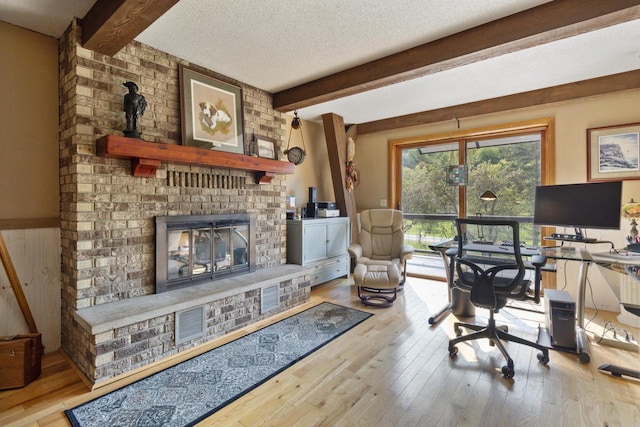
(194, 389)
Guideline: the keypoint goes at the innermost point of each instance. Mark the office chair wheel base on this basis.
(453, 350)
(508, 372)
(543, 358)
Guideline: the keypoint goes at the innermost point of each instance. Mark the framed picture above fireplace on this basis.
(211, 112)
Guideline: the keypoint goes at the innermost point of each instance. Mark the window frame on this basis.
(547, 156)
(545, 126)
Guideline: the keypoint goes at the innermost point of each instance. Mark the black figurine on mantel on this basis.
(134, 106)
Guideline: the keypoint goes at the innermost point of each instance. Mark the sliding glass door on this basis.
(430, 206)
(504, 165)
(509, 168)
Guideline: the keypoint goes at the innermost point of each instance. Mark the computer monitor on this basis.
(590, 205)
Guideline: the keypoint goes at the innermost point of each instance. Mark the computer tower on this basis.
(560, 318)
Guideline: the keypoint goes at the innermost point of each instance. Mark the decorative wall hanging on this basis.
(457, 175)
(613, 153)
(296, 155)
(351, 175)
(211, 112)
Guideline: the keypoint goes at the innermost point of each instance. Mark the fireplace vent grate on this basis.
(206, 180)
(190, 324)
(269, 299)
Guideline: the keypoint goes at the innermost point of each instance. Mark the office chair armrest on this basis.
(538, 261)
(355, 250)
(451, 252)
(406, 252)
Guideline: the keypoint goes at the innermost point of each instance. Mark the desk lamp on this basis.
(631, 210)
(487, 196)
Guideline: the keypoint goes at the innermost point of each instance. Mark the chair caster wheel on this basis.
(508, 372)
(453, 350)
(543, 358)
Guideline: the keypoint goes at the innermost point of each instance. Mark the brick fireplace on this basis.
(112, 319)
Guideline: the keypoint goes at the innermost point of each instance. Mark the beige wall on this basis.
(315, 170)
(29, 190)
(28, 124)
(572, 119)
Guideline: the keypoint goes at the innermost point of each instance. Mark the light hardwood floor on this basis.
(393, 370)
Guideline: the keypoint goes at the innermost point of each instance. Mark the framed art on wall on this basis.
(266, 147)
(211, 112)
(613, 153)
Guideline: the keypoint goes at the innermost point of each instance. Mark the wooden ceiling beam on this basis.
(112, 24)
(542, 24)
(593, 87)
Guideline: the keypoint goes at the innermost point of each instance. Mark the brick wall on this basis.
(107, 215)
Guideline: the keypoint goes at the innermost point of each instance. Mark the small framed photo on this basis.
(211, 112)
(613, 153)
(266, 147)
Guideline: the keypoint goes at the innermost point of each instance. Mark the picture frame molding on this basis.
(628, 136)
(211, 86)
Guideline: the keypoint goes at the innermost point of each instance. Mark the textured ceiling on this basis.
(278, 44)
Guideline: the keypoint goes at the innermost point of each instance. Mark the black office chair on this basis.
(493, 274)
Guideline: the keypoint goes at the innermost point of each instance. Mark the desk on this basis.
(605, 260)
(622, 274)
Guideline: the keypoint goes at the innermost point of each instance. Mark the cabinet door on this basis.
(315, 242)
(337, 238)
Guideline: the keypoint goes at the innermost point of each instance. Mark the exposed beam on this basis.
(336, 139)
(599, 86)
(543, 24)
(112, 24)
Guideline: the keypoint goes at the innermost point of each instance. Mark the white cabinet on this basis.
(322, 244)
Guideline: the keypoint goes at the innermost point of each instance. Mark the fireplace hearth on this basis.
(193, 249)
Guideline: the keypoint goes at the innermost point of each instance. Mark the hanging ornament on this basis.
(296, 155)
(457, 175)
(351, 176)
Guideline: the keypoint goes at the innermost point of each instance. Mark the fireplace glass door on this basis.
(192, 249)
(203, 251)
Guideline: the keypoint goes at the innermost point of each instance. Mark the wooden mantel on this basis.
(146, 157)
